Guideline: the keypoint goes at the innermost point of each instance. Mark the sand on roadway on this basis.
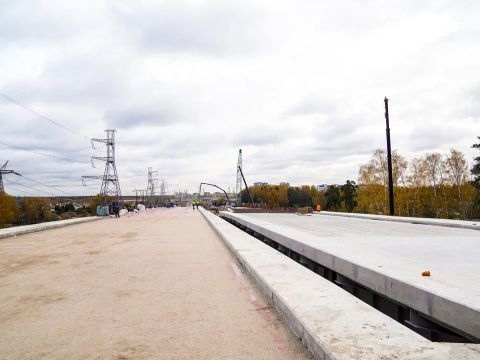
(157, 285)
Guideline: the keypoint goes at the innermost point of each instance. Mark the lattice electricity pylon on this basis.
(4, 171)
(152, 181)
(239, 178)
(163, 187)
(110, 184)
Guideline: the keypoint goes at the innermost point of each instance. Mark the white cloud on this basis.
(298, 85)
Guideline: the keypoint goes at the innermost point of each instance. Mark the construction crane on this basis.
(218, 187)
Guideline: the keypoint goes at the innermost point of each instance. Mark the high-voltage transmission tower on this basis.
(239, 178)
(4, 171)
(110, 184)
(163, 187)
(152, 181)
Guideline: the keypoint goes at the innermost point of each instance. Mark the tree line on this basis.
(433, 185)
(33, 210)
(283, 196)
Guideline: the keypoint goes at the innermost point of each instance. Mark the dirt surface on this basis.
(158, 285)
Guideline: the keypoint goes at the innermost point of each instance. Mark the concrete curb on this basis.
(331, 323)
(27, 229)
(461, 224)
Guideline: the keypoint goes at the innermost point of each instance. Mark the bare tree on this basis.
(433, 167)
(417, 180)
(458, 170)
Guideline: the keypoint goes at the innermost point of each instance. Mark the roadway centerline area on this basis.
(155, 285)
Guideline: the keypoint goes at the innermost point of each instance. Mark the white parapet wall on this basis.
(461, 224)
(27, 229)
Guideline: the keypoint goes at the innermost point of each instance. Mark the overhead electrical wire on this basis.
(46, 118)
(42, 154)
(41, 184)
(14, 186)
(30, 187)
(49, 186)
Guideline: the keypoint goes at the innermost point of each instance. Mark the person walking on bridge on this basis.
(116, 209)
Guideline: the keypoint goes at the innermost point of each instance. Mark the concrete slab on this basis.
(331, 323)
(389, 258)
(27, 229)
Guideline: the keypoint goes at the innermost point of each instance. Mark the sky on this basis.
(298, 85)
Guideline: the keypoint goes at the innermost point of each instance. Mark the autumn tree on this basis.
(98, 200)
(458, 169)
(34, 210)
(433, 170)
(375, 173)
(475, 171)
(299, 197)
(8, 210)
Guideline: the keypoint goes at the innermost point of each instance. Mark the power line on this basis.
(49, 186)
(46, 118)
(40, 153)
(30, 187)
(13, 185)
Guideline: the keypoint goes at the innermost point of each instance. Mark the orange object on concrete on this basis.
(426, 273)
(319, 208)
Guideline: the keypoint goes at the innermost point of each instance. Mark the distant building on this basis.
(322, 187)
(260, 184)
(285, 183)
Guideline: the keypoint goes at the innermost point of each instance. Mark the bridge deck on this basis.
(389, 258)
(159, 285)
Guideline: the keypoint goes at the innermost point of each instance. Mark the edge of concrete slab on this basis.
(462, 224)
(27, 229)
(331, 323)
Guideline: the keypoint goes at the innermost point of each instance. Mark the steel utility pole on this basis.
(239, 179)
(4, 171)
(389, 161)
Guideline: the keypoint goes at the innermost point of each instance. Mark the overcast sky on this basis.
(298, 85)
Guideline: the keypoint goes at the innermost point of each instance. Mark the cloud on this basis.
(47, 22)
(213, 28)
(141, 115)
(298, 85)
(311, 106)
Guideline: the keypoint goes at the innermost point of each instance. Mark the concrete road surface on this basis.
(158, 285)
